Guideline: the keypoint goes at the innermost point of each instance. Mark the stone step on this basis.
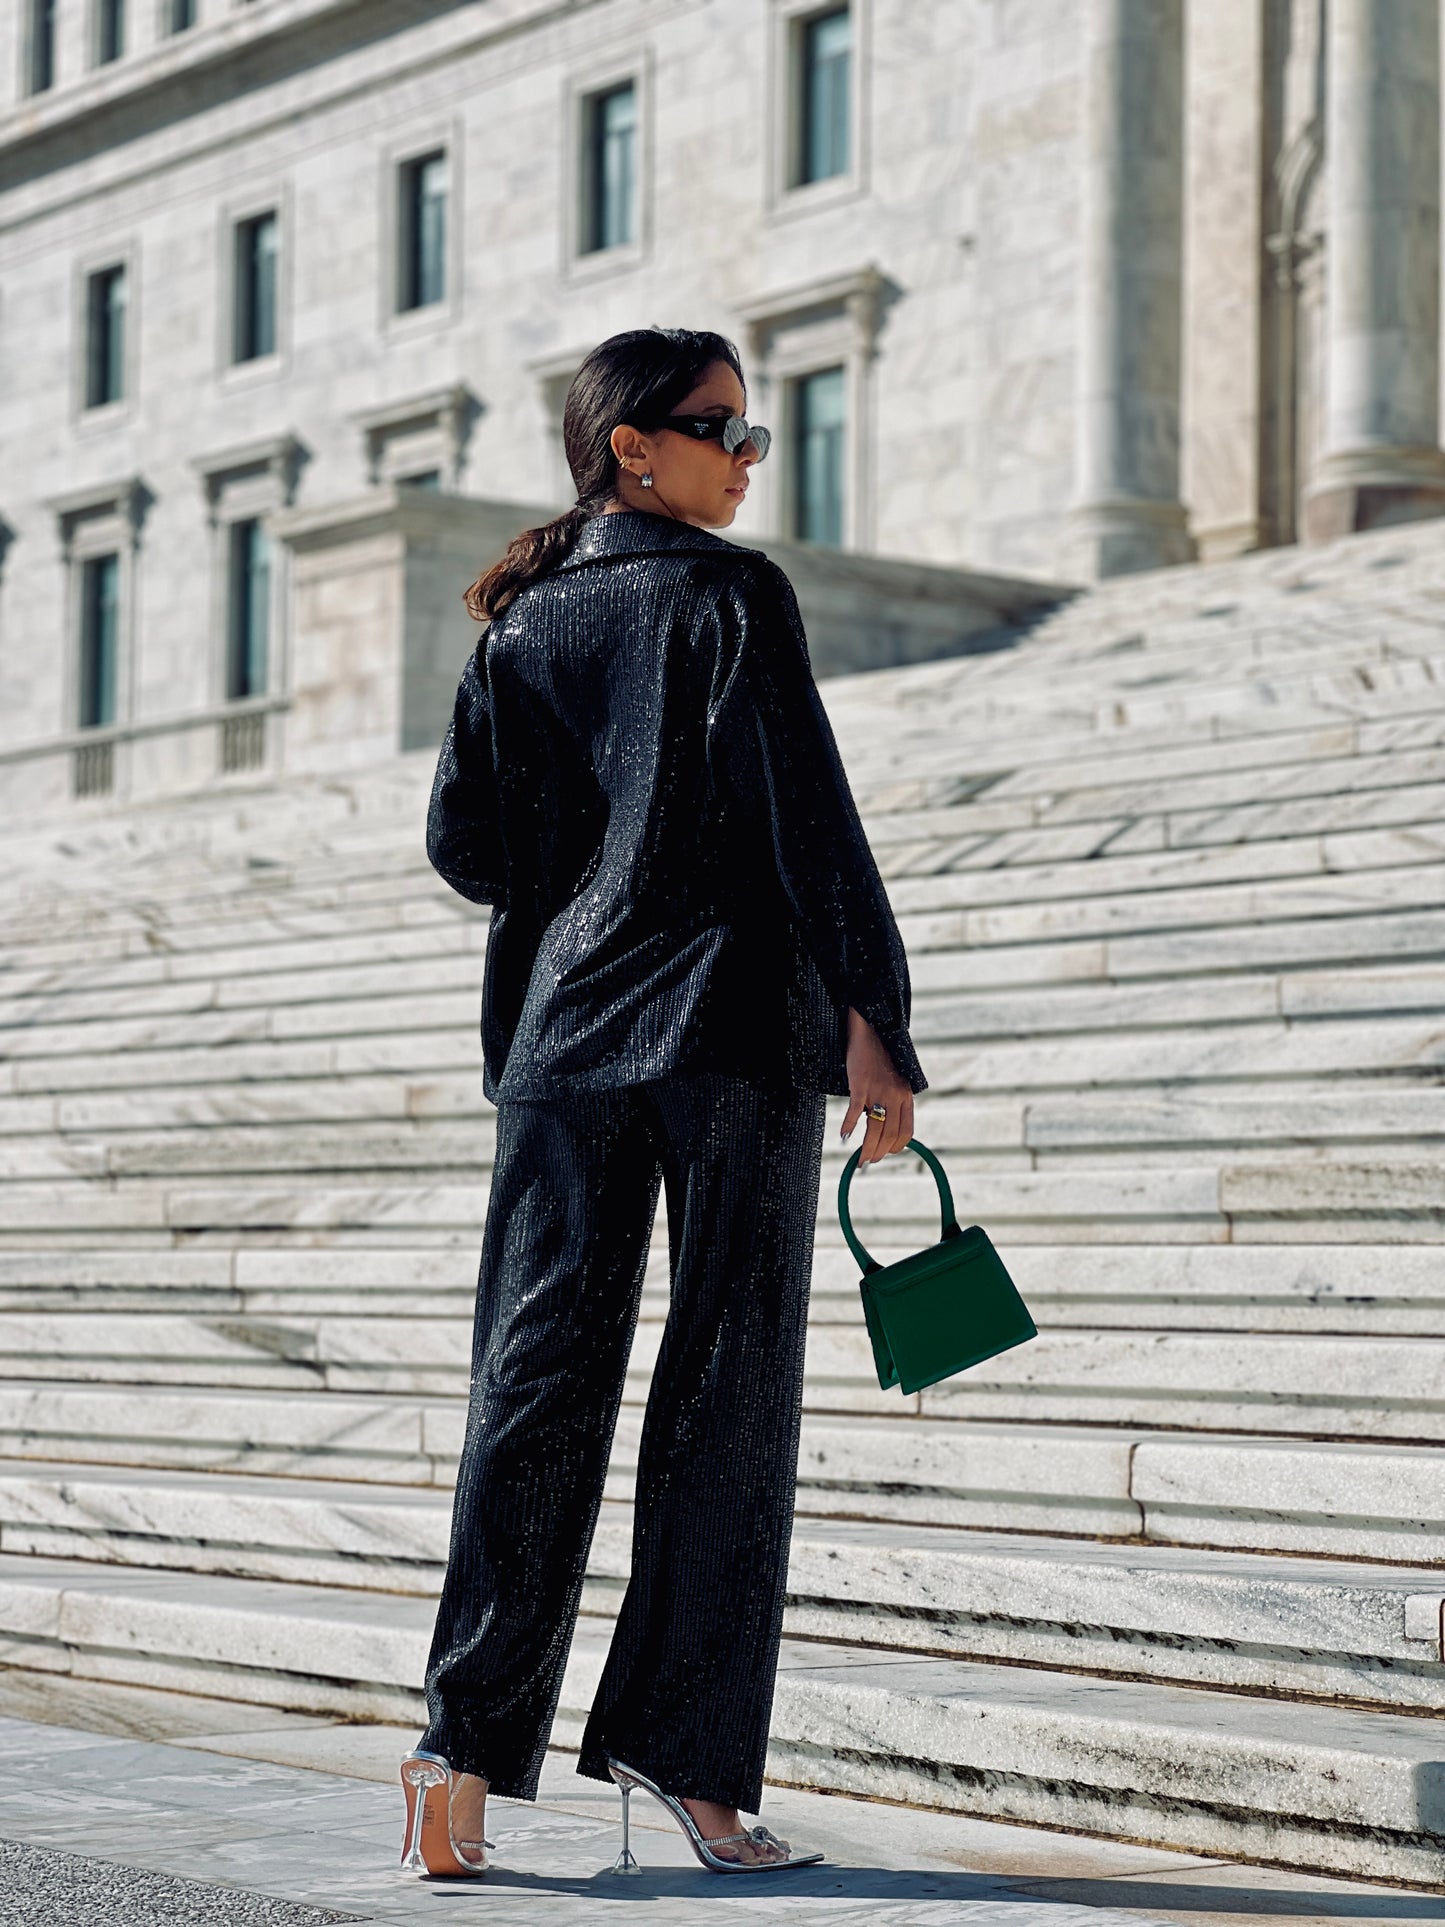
(282, 954)
(1374, 1289)
(1398, 1046)
(1392, 1049)
(320, 1199)
(268, 930)
(270, 988)
(1323, 1629)
(186, 904)
(1322, 1385)
(1308, 942)
(1169, 1123)
(1182, 801)
(293, 968)
(1060, 768)
(1198, 907)
(1312, 1786)
(968, 847)
(916, 750)
(1334, 1201)
(1001, 1134)
(1200, 872)
(1022, 989)
(1367, 989)
(1249, 1493)
(438, 1093)
(1364, 989)
(988, 1122)
(1188, 1203)
(182, 1014)
(1018, 860)
(1303, 691)
(135, 937)
(184, 886)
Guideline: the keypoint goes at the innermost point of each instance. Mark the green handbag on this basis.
(941, 1309)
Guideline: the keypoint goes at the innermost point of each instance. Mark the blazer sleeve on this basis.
(773, 747)
(463, 831)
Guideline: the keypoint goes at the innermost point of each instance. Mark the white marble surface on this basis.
(883, 1862)
(999, 1741)
(1186, 1080)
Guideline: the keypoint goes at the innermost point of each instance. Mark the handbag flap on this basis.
(945, 1308)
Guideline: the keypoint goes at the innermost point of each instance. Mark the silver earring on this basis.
(646, 480)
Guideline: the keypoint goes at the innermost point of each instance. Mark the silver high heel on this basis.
(628, 1777)
(430, 1845)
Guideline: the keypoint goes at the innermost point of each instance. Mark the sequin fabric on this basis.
(640, 777)
(687, 1687)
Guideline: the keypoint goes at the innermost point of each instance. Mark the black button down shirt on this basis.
(641, 779)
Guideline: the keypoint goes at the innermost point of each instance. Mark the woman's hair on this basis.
(637, 377)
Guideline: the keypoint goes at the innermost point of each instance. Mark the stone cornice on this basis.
(181, 59)
(859, 293)
(280, 455)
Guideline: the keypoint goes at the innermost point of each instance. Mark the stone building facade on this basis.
(293, 290)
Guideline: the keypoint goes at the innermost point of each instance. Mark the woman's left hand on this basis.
(873, 1078)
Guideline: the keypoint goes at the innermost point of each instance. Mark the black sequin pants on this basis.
(687, 1689)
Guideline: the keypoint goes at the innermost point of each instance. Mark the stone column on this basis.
(1126, 510)
(1381, 459)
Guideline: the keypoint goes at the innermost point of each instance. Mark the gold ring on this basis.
(877, 1110)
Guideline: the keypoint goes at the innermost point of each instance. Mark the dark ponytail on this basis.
(634, 377)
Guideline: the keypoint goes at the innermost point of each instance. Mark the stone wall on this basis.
(1114, 283)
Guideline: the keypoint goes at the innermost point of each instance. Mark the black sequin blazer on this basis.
(641, 779)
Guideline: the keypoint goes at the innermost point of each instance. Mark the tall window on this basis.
(182, 14)
(610, 168)
(105, 337)
(109, 30)
(250, 610)
(42, 46)
(818, 457)
(422, 256)
(99, 639)
(826, 50)
(255, 321)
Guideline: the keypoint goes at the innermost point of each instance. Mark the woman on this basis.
(690, 946)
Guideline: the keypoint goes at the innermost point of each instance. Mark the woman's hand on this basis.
(873, 1079)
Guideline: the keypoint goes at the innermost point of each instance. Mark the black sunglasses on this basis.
(731, 430)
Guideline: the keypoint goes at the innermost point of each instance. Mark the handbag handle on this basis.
(950, 1227)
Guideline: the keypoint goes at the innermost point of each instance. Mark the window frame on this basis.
(94, 521)
(230, 217)
(244, 282)
(801, 117)
(234, 649)
(30, 45)
(116, 318)
(801, 330)
(443, 135)
(90, 417)
(579, 264)
(411, 229)
(592, 180)
(100, 13)
(244, 483)
(795, 385)
(86, 564)
(787, 196)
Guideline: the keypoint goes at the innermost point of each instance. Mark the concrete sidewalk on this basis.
(124, 1807)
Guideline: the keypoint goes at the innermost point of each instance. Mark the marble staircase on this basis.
(1170, 874)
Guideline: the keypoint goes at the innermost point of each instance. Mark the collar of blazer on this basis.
(643, 532)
